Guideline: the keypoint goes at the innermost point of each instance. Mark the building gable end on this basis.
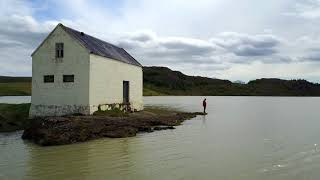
(50, 34)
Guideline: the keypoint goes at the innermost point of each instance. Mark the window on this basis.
(59, 50)
(68, 78)
(48, 78)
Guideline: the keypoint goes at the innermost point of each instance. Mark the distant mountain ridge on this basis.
(164, 81)
(9, 79)
(15, 86)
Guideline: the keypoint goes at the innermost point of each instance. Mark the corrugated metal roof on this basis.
(102, 48)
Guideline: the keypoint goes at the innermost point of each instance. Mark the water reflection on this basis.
(13, 156)
(204, 119)
(61, 162)
(109, 158)
(95, 159)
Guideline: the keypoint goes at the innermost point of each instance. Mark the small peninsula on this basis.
(48, 131)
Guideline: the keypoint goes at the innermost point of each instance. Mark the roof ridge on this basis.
(92, 36)
(101, 48)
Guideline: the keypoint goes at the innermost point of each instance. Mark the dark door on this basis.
(125, 91)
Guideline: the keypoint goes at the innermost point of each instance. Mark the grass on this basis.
(112, 113)
(14, 117)
(15, 89)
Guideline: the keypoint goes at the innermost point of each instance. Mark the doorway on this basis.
(126, 92)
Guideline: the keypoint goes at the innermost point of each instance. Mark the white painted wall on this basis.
(97, 80)
(106, 82)
(58, 94)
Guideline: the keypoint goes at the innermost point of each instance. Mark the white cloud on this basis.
(245, 72)
(311, 55)
(217, 38)
(248, 45)
(20, 33)
(153, 49)
(229, 47)
(309, 9)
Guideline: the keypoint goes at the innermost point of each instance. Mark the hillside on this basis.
(10, 79)
(15, 86)
(164, 81)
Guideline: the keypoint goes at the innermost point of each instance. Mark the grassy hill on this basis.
(164, 81)
(10, 79)
(15, 86)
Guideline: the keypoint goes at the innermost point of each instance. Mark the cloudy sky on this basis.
(227, 39)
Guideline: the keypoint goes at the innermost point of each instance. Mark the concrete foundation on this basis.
(61, 110)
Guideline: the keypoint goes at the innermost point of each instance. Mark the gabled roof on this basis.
(100, 47)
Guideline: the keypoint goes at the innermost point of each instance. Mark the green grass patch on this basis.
(15, 89)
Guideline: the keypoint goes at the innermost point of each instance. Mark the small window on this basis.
(48, 78)
(68, 78)
(59, 50)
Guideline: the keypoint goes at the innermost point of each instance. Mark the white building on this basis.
(73, 72)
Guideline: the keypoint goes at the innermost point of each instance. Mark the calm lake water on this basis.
(242, 138)
(15, 99)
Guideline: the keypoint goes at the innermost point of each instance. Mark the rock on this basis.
(200, 113)
(12, 124)
(121, 132)
(145, 129)
(159, 128)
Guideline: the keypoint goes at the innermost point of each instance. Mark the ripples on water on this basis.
(241, 138)
(302, 164)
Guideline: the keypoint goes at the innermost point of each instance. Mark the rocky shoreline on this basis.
(50, 131)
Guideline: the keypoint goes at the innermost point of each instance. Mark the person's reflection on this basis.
(204, 119)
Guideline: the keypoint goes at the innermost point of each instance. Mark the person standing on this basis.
(204, 104)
